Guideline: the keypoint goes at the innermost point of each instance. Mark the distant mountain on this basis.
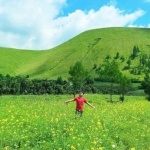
(90, 47)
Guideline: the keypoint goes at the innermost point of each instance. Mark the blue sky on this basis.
(44, 24)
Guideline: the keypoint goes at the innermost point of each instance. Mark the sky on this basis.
(45, 24)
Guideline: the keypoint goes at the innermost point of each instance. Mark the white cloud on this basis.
(79, 21)
(22, 21)
(36, 24)
(136, 26)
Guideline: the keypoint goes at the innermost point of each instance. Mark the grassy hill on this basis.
(90, 47)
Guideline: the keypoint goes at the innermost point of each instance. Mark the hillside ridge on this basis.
(91, 47)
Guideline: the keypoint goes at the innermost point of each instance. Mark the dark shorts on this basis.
(80, 112)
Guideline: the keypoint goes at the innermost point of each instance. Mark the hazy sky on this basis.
(44, 24)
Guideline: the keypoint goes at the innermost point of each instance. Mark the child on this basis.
(79, 104)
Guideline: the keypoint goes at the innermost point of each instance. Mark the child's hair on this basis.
(81, 92)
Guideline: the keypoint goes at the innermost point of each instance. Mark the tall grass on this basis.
(44, 122)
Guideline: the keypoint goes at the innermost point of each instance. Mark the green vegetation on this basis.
(109, 71)
(146, 85)
(114, 55)
(43, 122)
(78, 76)
(90, 47)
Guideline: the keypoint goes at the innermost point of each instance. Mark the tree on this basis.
(146, 85)
(59, 81)
(136, 50)
(143, 59)
(124, 85)
(78, 76)
(122, 58)
(109, 71)
(129, 63)
(108, 57)
(117, 55)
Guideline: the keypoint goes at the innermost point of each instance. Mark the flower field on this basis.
(45, 123)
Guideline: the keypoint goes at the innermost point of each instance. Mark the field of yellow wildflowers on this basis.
(45, 123)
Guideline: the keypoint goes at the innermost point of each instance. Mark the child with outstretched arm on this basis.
(79, 104)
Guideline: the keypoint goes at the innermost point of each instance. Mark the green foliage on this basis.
(122, 58)
(143, 59)
(78, 75)
(135, 52)
(146, 84)
(109, 71)
(117, 55)
(60, 81)
(95, 66)
(124, 86)
(108, 57)
(129, 63)
(23, 85)
(138, 70)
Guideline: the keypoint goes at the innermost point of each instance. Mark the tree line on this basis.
(19, 85)
(80, 80)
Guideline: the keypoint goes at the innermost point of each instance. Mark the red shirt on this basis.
(80, 102)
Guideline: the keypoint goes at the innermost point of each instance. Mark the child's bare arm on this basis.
(68, 101)
(91, 105)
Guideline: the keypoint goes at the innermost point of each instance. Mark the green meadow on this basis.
(46, 123)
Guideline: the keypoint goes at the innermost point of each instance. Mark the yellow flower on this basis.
(133, 148)
(71, 129)
(56, 119)
(73, 148)
(94, 142)
(98, 123)
(6, 148)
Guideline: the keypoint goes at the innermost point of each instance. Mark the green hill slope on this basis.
(90, 47)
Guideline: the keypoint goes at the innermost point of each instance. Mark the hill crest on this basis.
(91, 47)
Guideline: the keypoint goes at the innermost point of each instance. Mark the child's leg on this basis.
(79, 113)
(76, 113)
